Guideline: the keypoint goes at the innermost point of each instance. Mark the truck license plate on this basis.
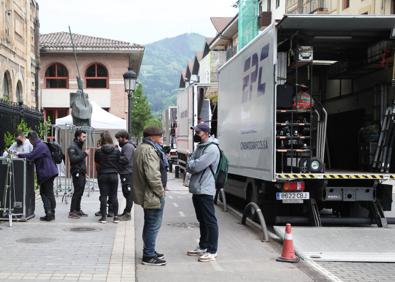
(292, 197)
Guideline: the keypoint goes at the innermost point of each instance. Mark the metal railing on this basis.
(11, 115)
(220, 195)
(308, 6)
(322, 121)
(253, 209)
(64, 135)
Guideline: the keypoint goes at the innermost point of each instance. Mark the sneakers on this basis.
(110, 214)
(74, 215)
(81, 213)
(125, 216)
(116, 219)
(159, 255)
(154, 261)
(207, 257)
(47, 218)
(103, 219)
(196, 252)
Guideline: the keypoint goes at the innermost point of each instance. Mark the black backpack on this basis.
(56, 152)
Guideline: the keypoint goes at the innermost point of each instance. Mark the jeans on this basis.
(79, 180)
(48, 196)
(108, 185)
(152, 224)
(126, 181)
(205, 214)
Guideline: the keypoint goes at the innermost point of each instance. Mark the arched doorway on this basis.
(6, 86)
(19, 92)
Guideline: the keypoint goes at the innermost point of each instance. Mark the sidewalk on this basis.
(241, 255)
(68, 249)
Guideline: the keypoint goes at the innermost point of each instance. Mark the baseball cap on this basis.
(201, 127)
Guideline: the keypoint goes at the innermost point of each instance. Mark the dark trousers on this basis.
(152, 224)
(205, 214)
(126, 181)
(79, 180)
(48, 196)
(108, 185)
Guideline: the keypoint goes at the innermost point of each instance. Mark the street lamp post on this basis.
(129, 79)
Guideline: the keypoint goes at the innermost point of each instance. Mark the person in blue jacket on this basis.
(46, 171)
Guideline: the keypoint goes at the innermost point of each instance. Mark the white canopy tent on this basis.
(101, 119)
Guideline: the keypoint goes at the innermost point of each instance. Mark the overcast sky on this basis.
(137, 21)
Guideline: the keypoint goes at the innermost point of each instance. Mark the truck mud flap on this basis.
(377, 214)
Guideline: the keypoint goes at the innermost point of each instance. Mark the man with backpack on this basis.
(203, 166)
(78, 172)
(125, 171)
(46, 172)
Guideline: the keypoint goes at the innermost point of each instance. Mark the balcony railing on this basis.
(308, 6)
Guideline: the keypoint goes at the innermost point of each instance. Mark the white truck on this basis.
(169, 126)
(311, 163)
(193, 107)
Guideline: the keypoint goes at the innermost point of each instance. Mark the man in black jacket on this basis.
(125, 171)
(78, 172)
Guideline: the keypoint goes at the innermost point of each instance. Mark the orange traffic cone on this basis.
(288, 252)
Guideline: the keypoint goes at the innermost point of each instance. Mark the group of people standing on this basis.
(143, 175)
(110, 162)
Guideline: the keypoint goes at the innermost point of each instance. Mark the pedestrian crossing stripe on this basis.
(374, 176)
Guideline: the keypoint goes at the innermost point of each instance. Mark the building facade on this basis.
(101, 63)
(348, 7)
(19, 51)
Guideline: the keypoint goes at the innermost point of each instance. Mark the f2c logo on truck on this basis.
(253, 74)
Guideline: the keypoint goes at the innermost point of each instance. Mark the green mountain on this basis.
(161, 67)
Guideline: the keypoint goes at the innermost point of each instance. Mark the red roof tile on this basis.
(59, 41)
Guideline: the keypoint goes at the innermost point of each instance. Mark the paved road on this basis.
(242, 256)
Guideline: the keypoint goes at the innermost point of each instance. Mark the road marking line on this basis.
(170, 197)
(181, 214)
(175, 205)
(323, 271)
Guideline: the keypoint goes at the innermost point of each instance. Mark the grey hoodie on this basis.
(127, 152)
(202, 179)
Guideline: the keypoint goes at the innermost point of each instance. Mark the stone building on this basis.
(19, 51)
(347, 7)
(102, 63)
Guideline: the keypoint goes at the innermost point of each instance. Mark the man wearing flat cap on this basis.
(149, 165)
